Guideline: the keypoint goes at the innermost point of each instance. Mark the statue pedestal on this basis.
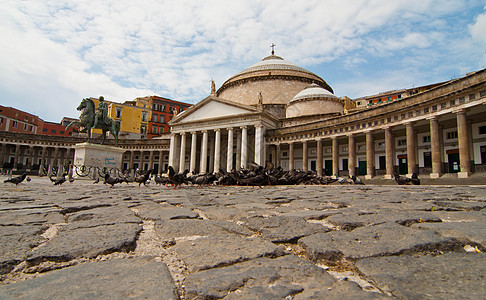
(94, 157)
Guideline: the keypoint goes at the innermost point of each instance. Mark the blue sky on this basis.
(54, 53)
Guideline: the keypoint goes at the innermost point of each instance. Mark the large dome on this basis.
(276, 79)
(313, 100)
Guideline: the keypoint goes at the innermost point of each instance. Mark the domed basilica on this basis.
(275, 111)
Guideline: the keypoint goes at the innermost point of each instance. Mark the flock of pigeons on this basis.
(255, 175)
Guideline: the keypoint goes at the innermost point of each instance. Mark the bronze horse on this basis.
(87, 118)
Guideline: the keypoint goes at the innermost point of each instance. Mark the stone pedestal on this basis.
(96, 156)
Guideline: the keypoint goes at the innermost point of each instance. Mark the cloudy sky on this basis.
(56, 52)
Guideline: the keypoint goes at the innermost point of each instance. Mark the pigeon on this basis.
(414, 179)
(177, 179)
(401, 180)
(356, 180)
(160, 180)
(16, 180)
(111, 180)
(70, 174)
(60, 180)
(143, 178)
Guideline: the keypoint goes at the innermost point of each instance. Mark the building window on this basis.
(25, 127)
(452, 102)
(452, 135)
(402, 142)
(161, 129)
(154, 129)
(472, 97)
(156, 106)
(14, 124)
(434, 108)
(482, 93)
(162, 107)
(443, 105)
(426, 110)
(144, 116)
(118, 112)
(61, 132)
(418, 112)
(462, 100)
(395, 118)
(426, 139)
(44, 130)
(53, 131)
(410, 114)
(362, 147)
(427, 160)
(284, 154)
(482, 129)
(154, 118)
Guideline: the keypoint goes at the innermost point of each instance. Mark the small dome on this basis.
(313, 100)
(313, 91)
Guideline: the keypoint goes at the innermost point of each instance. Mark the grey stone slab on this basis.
(168, 230)
(106, 215)
(140, 278)
(216, 251)
(474, 232)
(379, 240)
(353, 219)
(310, 214)
(16, 242)
(266, 278)
(448, 276)
(31, 216)
(89, 242)
(165, 212)
(280, 229)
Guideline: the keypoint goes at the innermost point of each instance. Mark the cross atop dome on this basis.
(273, 48)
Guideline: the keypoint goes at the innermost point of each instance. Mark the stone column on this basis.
(463, 139)
(161, 162)
(54, 157)
(435, 148)
(277, 155)
(132, 157)
(140, 164)
(3, 151)
(204, 153)
(244, 147)
(217, 150)
(291, 156)
(259, 156)
(411, 150)
(305, 156)
(29, 160)
(335, 156)
(151, 160)
(229, 160)
(16, 157)
(182, 158)
(68, 155)
(320, 158)
(172, 150)
(351, 155)
(238, 150)
(370, 156)
(192, 164)
(43, 159)
(389, 156)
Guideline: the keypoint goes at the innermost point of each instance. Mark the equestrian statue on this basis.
(96, 119)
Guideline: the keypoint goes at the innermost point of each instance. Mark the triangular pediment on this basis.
(211, 108)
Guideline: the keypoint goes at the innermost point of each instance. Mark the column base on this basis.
(434, 175)
(463, 174)
(388, 176)
(368, 176)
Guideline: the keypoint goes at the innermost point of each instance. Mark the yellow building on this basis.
(132, 115)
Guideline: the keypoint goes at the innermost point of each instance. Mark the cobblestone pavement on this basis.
(85, 240)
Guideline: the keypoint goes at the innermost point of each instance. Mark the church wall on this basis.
(274, 91)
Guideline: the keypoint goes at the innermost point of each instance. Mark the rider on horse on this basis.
(101, 115)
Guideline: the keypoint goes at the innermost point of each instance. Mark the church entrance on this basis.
(402, 164)
(453, 158)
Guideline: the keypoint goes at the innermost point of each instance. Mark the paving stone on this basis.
(71, 243)
(216, 251)
(165, 212)
(280, 229)
(378, 240)
(31, 216)
(448, 276)
(140, 278)
(102, 216)
(474, 232)
(16, 243)
(168, 230)
(266, 278)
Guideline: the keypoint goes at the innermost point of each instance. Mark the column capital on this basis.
(258, 125)
(459, 110)
(244, 127)
(182, 133)
(230, 128)
(217, 129)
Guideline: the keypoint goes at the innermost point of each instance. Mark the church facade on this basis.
(278, 112)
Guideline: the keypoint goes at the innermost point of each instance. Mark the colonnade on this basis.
(390, 152)
(225, 148)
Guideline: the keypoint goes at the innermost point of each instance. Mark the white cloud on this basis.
(126, 49)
